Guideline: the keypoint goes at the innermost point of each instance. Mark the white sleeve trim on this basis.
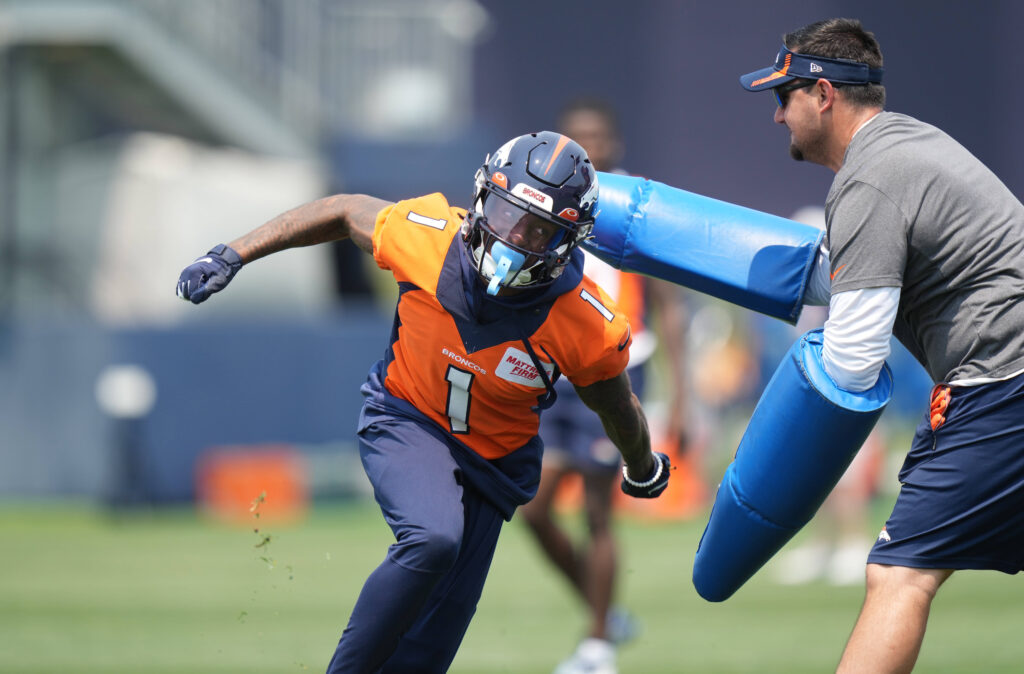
(819, 285)
(857, 335)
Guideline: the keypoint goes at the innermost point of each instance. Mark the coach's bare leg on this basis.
(888, 634)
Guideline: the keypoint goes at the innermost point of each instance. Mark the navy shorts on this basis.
(573, 435)
(961, 500)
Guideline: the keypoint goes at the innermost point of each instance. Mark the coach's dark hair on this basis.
(842, 39)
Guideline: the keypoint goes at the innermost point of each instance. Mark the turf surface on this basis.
(169, 592)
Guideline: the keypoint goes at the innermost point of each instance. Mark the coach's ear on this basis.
(826, 94)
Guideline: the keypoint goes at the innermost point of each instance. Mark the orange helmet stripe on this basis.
(562, 141)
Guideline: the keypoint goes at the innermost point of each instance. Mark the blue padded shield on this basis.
(802, 436)
(753, 259)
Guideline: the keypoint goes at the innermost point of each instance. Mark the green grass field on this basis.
(169, 592)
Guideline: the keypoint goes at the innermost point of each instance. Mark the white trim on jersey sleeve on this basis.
(819, 285)
(857, 335)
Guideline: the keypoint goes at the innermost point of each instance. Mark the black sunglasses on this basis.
(782, 93)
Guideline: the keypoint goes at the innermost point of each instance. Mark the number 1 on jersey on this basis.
(459, 383)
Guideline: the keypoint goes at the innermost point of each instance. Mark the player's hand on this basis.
(652, 485)
(208, 274)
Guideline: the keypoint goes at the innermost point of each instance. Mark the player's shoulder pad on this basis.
(415, 231)
(587, 301)
(591, 332)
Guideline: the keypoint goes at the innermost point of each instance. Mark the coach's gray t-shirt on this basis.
(912, 208)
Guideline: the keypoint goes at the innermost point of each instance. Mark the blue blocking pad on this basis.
(802, 436)
(752, 259)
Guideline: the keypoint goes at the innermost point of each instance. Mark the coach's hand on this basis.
(208, 274)
(652, 485)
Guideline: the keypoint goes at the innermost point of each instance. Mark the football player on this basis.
(493, 308)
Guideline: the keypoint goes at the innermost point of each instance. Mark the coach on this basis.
(925, 243)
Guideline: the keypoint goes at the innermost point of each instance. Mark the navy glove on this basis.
(208, 274)
(652, 485)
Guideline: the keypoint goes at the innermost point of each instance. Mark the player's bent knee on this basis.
(428, 551)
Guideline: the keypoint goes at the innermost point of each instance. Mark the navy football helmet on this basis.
(533, 203)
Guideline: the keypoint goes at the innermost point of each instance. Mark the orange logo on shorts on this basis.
(940, 402)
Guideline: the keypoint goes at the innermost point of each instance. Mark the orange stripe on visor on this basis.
(775, 75)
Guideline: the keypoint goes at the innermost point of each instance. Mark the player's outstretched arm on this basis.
(645, 474)
(329, 219)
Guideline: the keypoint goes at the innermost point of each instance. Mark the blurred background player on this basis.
(575, 442)
(493, 307)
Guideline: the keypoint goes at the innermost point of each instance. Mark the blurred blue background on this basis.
(135, 135)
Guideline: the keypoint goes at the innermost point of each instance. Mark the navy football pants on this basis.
(414, 609)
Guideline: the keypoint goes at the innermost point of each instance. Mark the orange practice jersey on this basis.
(482, 389)
(628, 291)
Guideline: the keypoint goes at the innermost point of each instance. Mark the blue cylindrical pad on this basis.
(802, 436)
(752, 259)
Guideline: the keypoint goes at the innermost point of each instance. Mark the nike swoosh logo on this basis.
(832, 276)
(625, 342)
(205, 259)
